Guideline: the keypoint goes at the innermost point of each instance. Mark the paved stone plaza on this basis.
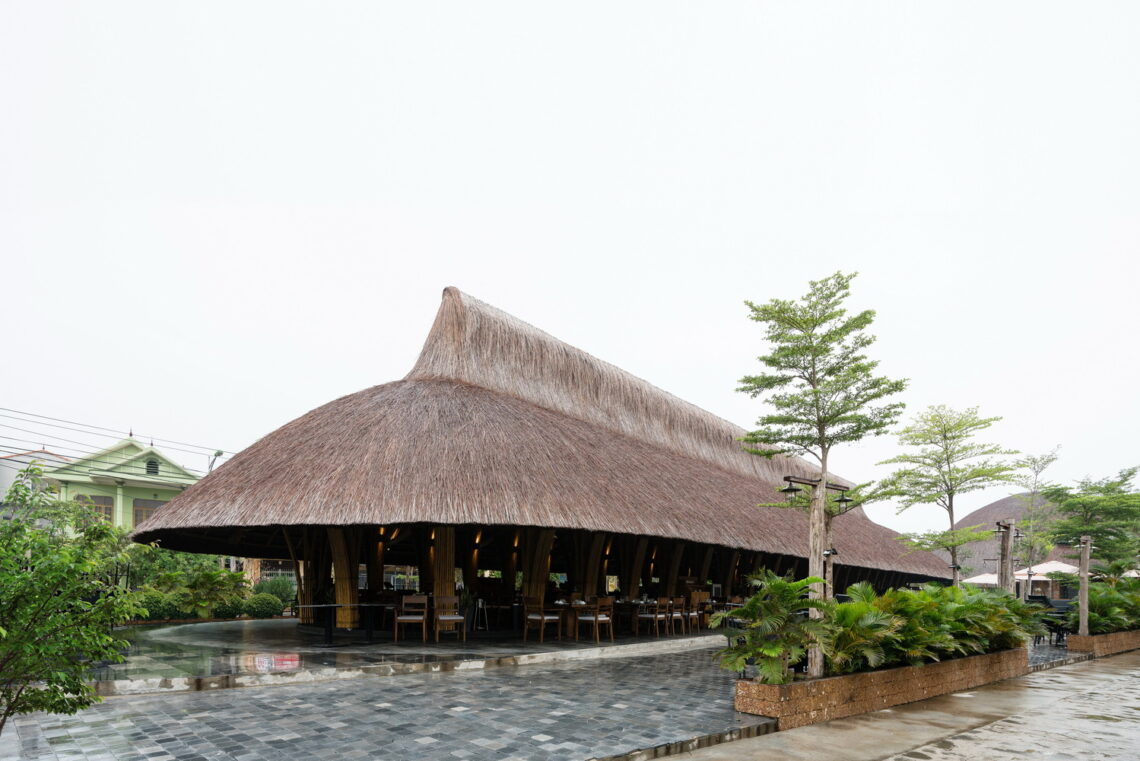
(580, 709)
(564, 711)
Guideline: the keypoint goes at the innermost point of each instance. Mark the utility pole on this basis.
(1083, 599)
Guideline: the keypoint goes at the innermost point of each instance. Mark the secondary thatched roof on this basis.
(501, 424)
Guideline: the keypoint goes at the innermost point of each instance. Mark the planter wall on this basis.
(802, 703)
(1105, 644)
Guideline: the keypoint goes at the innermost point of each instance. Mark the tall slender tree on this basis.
(824, 392)
(1039, 514)
(943, 464)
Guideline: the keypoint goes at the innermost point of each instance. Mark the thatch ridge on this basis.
(474, 342)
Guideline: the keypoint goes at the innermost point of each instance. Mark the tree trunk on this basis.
(817, 535)
(954, 549)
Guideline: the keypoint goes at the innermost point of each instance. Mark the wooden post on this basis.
(593, 564)
(471, 567)
(376, 544)
(443, 561)
(511, 572)
(631, 582)
(537, 545)
(706, 565)
(1005, 561)
(1083, 594)
(730, 572)
(345, 549)
(674, 568)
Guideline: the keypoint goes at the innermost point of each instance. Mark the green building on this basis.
(126, 483)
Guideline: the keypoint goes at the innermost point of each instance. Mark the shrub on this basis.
(1113, 607)
(229, 609)
(281, 587)
(769, 628)
(264, 606)
(159, 606)
(901, 626)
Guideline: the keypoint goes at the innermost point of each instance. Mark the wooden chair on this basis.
(598, 614)
(656, 613)
(413, 610)
(447, 613)
(534, 615)
(694, 611)
(677, 615)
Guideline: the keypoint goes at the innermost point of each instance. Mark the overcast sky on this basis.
(217, 216)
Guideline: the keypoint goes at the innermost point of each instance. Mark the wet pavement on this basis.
(574, 701)
(1088, 710)
(279, 651)
(575, 710)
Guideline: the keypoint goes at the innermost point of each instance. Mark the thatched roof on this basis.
(499, 423)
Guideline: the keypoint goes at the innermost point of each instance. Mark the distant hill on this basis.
(983, 555)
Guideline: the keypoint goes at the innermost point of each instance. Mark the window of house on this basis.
(144, 508)
(152, 467)
(104, 506)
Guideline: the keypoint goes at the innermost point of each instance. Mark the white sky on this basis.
(216, 216)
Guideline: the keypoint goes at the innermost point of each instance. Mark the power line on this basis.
(85, 452)
(85, 458)
(210, 450)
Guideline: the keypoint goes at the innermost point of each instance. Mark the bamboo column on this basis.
(631, 580)
(706, 565)
(730, 572)
(375, 561)
(593, 564)
(674, 568)
(537, 544)
(345, 548)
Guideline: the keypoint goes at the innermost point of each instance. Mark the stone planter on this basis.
(1104, 644)
(801, 703)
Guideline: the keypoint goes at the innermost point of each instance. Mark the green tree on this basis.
(824, 392)
(1108, 510)
(58, 600)
(1039, 514)
(946, 541)
(945, 462)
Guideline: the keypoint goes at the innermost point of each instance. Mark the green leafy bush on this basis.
(281, 587)
(264, 606)
(1113, 607)
(160, 606)
(771, 629)
(229, 609)
(899, 627)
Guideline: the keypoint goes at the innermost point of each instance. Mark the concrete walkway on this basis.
(1085, 711)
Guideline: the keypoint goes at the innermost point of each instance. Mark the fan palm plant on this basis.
(856, 632)
(772, 628)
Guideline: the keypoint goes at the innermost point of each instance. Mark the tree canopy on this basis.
(58, 600)
(944, 462)
(1108, 510)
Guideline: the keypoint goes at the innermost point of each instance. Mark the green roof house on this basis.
(126, 483)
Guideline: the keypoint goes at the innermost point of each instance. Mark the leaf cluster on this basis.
(1108, 510)
(868, 630)
(818, 378)
(944, 461)
(58, 601)
(1113, 607)
(772, 629)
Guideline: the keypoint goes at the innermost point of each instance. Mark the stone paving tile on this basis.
(560, 711)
